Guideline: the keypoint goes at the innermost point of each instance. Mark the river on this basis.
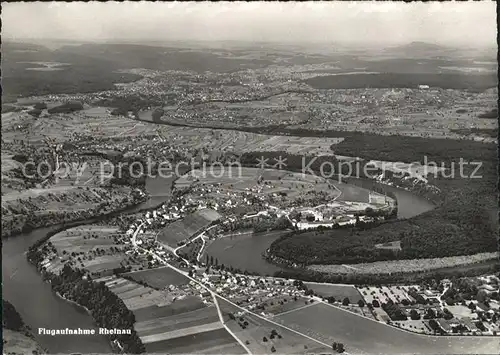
(409, 204)
(34, 299)
(41, 307)
(245, 251)
(38, 305)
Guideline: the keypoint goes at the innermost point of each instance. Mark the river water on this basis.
(34, 299)
(245, 251)
(409, 204)
(41, 307)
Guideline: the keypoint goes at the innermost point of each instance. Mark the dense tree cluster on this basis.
(406, 80)
(338, 347)
(66, 107)
(394, 311)
(11, 319)
(107, 309)
(464, 220)
(132, 103)
(490, 114)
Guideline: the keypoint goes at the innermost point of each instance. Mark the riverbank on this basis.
(17, 337)
(107, 310)
(115, 344)
(21, 281)
(30, 221)
(465, 223)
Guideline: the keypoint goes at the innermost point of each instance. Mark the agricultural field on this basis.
(158, 278)
(206, 315)
(217, 341)
(252, 330)
(92, 121)
(174, 319)
(238, 142)
(338, 291)
(234, 187)
(93, 248)
(284, 304)
(77, 190)
(10, 182)
(364, 336)
(187, 227)
(153, 310)
(304, 146)
(148, 303)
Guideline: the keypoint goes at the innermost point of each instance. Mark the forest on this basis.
(477, 82)
(11, 319)
(132, 103)
(108, 310)
(465, 218)
(66, 107)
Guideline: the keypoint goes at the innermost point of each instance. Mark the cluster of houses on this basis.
(247, 291)
(429, 310)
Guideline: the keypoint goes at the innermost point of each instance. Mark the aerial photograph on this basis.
(250, 178)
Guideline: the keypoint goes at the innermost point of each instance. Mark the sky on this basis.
(449, 23)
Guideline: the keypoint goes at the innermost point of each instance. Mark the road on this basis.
(219, 312)
(216, 295)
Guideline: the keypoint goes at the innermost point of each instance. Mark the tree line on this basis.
(463, 220)
(107, 309)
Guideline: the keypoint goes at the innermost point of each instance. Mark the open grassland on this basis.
(158, 278)
(412, 265)
(187, 227)
(337, 291)
(255, 329)
(363, 336)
